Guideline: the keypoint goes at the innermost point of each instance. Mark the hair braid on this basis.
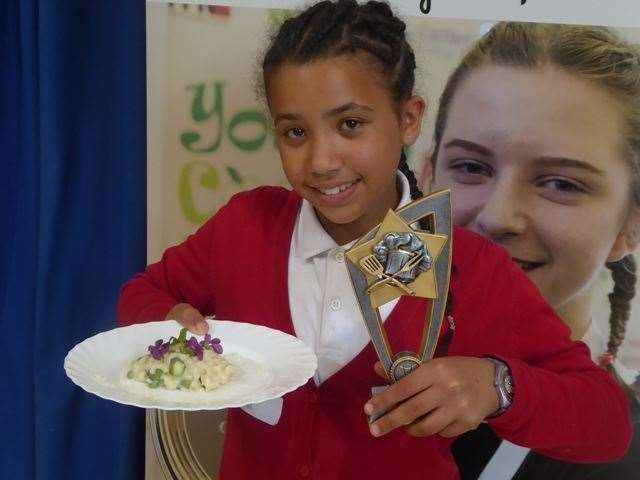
(346, 27)
(327, 26)
(301, 27)
(623, 273)
(414, 189)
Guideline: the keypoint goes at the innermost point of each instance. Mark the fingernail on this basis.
(375, 430)
(368, 409)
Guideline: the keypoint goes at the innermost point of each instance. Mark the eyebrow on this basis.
(345, 108)
(330, 113)
(545, 160)
(568, 162)
(467, 145)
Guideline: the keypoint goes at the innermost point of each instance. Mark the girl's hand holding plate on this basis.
(189, 317)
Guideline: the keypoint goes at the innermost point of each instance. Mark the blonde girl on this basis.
(552, 173)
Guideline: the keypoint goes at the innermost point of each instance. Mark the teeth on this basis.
(331, 191)
(338, 189)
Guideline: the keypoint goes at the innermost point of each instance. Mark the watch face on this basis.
(508, 384)
(505, 383)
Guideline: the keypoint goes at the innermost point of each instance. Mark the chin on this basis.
(339, 218)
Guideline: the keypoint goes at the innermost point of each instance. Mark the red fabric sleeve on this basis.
(565, 406)
(183, 274)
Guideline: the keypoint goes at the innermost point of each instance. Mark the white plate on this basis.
(267, 364)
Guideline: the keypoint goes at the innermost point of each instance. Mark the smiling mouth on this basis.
(337, 189)
(527, 266)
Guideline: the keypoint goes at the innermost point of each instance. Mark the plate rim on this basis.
(153, 404)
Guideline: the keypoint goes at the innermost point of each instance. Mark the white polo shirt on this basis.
(324, 309)
(325, 312)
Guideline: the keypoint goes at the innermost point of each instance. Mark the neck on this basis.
(576, 314)
(342, 234)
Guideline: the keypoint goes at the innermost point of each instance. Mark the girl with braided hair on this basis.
(552, 173)
(338, 80)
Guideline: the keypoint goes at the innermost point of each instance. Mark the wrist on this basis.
(503, 384)
(176, 311)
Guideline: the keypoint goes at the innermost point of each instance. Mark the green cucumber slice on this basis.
(176, 367)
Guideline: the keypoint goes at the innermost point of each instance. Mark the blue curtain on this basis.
(73, 216)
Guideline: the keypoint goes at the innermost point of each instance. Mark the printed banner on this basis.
(209, 132)
(619, 13)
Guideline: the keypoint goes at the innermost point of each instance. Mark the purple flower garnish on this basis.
(213, 343)
(159, 349)
(195, 347)
(216, 345)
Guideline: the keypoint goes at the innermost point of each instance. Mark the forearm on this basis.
(141, 301)
(578, 415)
(565, 406)
(183, 275)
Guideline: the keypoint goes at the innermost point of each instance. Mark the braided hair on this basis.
(329, 29)
(623, 273)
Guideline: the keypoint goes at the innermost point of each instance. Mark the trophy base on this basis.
(403, 364)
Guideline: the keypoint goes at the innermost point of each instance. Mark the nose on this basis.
(324, 157)
(503, 213)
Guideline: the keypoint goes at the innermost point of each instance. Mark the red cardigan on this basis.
(236, 267)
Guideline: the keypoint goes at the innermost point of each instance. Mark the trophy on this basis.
(398, 258)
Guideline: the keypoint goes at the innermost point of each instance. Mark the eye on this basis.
(562, 185)
(350, 125)
(294, 133)
(470, 171)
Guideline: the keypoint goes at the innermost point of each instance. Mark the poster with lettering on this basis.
(521, 140)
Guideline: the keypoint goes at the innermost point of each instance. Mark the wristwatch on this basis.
(504, 386)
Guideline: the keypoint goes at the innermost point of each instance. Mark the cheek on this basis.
(588, 233)
(377, 166)
(577, 251)
(571, 262)
(463, 215)
(292, 166)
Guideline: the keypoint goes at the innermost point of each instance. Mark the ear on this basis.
(411, 119)
(628, 239)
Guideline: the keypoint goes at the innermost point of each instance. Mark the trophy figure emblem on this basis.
(396, 259)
